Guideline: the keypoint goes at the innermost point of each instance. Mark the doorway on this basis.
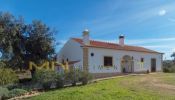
(153, 65)
(127, 64)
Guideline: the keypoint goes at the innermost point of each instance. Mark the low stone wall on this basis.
(105, 75)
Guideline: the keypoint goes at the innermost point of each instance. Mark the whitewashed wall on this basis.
(72, 51)
(99, 54)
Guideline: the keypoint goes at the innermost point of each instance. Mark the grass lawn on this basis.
(156, 86)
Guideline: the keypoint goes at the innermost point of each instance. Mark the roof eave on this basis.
(119, 49)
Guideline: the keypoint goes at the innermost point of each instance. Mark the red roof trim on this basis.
(106, 45)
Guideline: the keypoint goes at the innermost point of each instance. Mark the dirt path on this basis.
(157, 83)
(25, 96)
(165, 86)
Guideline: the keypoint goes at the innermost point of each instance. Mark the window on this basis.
(108, 61)
(67, 60)
(142, 59)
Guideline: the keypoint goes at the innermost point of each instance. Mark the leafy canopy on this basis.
(21, 42)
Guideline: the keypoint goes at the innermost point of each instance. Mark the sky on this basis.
(147, 23)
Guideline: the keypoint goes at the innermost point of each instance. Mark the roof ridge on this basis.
(99, 41)
(105, 44)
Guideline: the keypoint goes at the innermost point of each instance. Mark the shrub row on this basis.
(47, 78)
(7, 76)
(6, 94)
(42, 79)
(169, 67)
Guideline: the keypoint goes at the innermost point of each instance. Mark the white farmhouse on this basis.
(107, 59)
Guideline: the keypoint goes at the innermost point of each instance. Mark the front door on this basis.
(153, 65)
(127, 64)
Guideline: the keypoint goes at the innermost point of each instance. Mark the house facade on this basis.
(103, 58)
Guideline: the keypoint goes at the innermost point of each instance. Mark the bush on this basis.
(47, 85)
(6, 94)
(73, 76)
(85, 77)
(168, 67)
(45, 77)
(7, 76)
(3, 93)
(60, 81)
(77, 75)
(12, 86)
(2, 64)
(16, 92)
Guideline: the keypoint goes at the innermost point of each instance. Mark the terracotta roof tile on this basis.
(100, 44)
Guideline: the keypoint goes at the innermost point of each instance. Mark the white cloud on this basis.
(111, 22)
(142, 41)
(156, 46)
(171, 19)
(162, 12)
(153, 40)
(173, 50)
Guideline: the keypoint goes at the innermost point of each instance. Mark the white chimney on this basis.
(121, 40)
(86, 40)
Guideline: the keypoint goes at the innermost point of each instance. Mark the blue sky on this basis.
(147, 23)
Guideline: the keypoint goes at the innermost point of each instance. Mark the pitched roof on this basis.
(100, 44)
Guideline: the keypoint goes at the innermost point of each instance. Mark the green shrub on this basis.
(85, 77)
(47, 85)
(7, 76)
(3, 93)
(60, 81)
(73, 76)
(12, 86)
(2, 64)
(77, 75)
(6, 94)
(168, 67)
(16, 92)
(45, 77)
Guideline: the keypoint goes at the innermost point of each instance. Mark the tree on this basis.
(40, 42)
(173, 55)
(20, 42)
(12, 41)
(2, 64)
